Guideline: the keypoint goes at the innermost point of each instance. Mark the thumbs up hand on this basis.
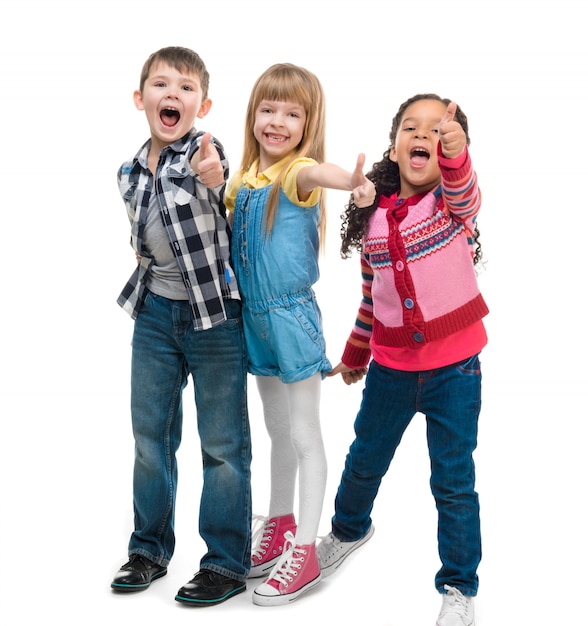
(209, 166)
(451, 134)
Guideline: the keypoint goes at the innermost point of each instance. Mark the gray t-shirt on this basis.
(165, 278)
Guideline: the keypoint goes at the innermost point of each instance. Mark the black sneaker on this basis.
(137, 574)
(208, 588)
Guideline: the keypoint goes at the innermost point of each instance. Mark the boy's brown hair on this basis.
(183, 60)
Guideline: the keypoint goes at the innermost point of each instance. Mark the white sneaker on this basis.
(457, 609)
(332, 552)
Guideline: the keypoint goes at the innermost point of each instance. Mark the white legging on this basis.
(292, 418)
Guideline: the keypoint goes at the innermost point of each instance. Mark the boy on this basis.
(184, 299)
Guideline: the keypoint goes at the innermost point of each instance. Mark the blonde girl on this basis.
(278, 222)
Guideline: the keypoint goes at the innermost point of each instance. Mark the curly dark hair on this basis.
(385, 175)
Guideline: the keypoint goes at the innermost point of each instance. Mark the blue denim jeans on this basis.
(166, 350)
(450, 398)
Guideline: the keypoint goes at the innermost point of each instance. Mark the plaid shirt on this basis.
(195, 222)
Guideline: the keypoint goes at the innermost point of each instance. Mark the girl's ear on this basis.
(393, 155)
(138, 99)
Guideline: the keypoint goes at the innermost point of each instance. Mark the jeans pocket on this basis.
(470, 365)
(233, 312)
(309, 317)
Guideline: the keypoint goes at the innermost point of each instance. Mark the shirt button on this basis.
(409, 303)
(399, 266)
(418, 337)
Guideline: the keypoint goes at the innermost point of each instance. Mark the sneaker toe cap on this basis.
(266, 590)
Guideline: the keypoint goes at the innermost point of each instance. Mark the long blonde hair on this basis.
(285, 82)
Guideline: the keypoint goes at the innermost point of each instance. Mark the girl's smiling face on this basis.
(278, 129)
(415, 147)
(172, 100)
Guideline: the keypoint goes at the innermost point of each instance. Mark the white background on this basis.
(68, 71)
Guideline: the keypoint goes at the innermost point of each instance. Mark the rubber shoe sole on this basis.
(284, 598)
(202, 603)
(209, 588)
(126, 588)
(263, 570)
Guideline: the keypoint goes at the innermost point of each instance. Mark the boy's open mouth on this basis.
(169, 117)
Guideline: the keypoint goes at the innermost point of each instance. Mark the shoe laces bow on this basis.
(290, 563)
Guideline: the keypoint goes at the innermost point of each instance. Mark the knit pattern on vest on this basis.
(424, 286)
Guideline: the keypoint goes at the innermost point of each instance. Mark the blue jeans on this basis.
(450, 398)
(166, 349)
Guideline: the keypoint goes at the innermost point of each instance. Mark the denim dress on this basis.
(275, 272)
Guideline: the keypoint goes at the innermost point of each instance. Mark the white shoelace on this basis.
(290, 563)
(328, 547)
(454, 602)
(261, 535)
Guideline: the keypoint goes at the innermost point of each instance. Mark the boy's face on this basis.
(172, 100)
(415, 148)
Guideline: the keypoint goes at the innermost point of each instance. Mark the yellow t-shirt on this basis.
(253, 180)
